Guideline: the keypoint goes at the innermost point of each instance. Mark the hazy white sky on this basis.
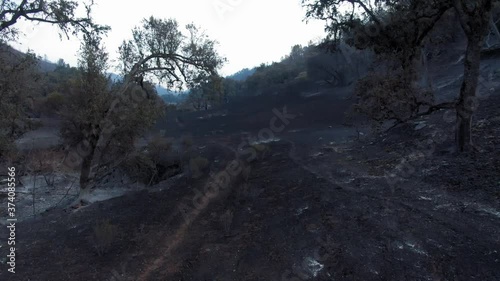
(249, 32)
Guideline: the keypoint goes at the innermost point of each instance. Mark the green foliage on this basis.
(62, 13)
(17, 98)
(90, 103)
(305, 65)
(296, 54)
(139, 167)
(54, 103)
(337, 68)
(242, 74)
(89, 99)
(160, 49)
(394, 27)
(388, 96)
(264, 79)
(196, 99)
(277, 74)
(208, 93)
(396, 31)
(172, 99)
(105, 117)
(151, 165)
(59, 80)
(159, 146)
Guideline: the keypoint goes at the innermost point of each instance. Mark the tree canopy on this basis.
(397, 30)
(160, 49)
(62, 13)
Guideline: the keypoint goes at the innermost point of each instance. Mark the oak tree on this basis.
(14, 66)
(113, 117)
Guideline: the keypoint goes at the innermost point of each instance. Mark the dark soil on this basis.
(317, 204)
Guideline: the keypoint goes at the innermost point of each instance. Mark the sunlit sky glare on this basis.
(249, 32)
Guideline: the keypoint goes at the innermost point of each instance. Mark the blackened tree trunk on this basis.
(89, 151)
(474, 18)
(467, 101)
(85, 175)
(88, 160)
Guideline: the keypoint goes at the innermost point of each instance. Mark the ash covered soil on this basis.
(316, 203)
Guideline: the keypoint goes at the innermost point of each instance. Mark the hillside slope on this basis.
(314, 204)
